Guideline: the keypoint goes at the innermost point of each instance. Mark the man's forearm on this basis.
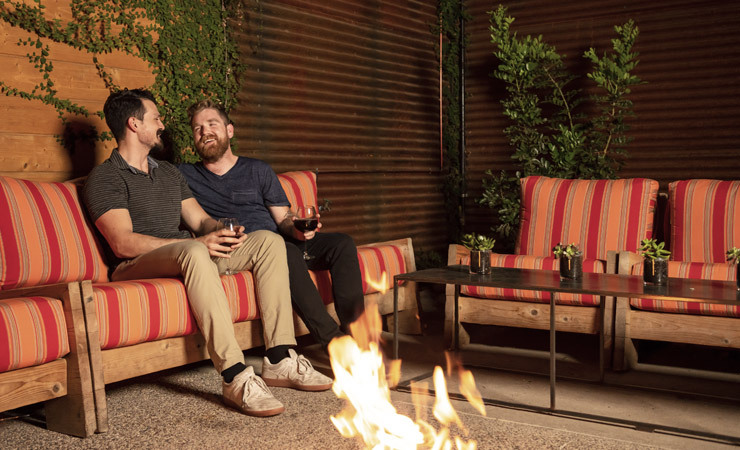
(137, 244)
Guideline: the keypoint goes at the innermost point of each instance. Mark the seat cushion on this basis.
(32, 332)
(598, 215)
(131, 312)
(533, 262)
(678, 269)
(705, 219)
(377, 260)
(44, 236)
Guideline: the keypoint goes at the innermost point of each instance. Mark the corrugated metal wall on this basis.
(351, 88)
(688, 112)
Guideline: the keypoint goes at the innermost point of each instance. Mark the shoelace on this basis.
(304, 365)
(253, 381)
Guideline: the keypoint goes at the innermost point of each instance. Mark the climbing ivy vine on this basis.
(186, 44)
(451, 14)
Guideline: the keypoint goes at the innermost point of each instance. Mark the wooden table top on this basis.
(710, 291)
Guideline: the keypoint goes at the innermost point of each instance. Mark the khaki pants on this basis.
(263, 252)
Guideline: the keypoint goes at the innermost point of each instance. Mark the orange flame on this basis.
(361, 379)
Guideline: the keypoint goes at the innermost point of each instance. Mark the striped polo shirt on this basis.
(153, 200)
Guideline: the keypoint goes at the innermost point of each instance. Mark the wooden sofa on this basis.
(143, 326)
(703, 222)
(44, 253)
(601, 216)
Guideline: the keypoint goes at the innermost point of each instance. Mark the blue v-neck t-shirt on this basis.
(244, 192)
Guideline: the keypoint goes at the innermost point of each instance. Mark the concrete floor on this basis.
(656, 406)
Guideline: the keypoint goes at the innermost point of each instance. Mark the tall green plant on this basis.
(185, 43)
(551, 133)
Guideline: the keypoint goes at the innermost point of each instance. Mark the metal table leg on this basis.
(395, 318)
(456, 337)
(552, 350)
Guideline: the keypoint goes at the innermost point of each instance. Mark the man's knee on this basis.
(192, 250)
(269, 241)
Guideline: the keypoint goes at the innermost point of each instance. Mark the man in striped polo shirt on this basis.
(138, 203)
(248, 189)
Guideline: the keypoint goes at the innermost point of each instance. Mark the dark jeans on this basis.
(337, 253)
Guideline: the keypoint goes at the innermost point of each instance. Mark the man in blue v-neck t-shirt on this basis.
(227, 185)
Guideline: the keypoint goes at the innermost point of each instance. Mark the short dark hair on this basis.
(208, 104)
(123, 104)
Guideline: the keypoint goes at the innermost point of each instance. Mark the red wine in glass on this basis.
(230, 224)
(306, 220)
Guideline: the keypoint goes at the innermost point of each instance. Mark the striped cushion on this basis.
(44, 236)
(32, 332)
(705, 219)
(300, 187)
(532, 262)
(678, 269)
(598, 215)
(376, 260)
(131, 312)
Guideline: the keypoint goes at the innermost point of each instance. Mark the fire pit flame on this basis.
(361, 379)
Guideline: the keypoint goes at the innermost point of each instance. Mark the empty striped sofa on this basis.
(46, 249)
(141, 326)
(601, 216)
(703, 222)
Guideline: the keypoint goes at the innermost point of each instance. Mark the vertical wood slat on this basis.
(349, 88)
(687, 112)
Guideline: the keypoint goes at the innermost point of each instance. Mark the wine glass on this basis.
(231, 224)
(305, 220)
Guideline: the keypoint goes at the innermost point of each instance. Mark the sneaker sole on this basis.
(301, 387)
(255, 413)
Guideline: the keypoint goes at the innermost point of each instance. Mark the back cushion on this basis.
(44, 236)
(598, 215)
(705, 219)
(300, 187)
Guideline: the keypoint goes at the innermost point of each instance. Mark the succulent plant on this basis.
(733, 255)
(652, 249)
(471, 241)
(569, 251)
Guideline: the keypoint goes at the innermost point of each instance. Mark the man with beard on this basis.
(227, 185)
(138, 203)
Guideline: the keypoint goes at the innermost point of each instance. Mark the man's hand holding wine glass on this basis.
(306, 222)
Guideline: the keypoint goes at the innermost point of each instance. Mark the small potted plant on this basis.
(656, 262)
(733, 256)
(480, 252)
(571, 260)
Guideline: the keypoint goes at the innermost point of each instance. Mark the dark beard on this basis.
(214, 153)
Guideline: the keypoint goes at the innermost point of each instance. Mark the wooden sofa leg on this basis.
(92, 329)
(449, 325)
(625, 354)
(408, 321)
(74, 413)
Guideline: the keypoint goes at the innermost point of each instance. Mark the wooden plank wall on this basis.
(29, 130)
(687, 122)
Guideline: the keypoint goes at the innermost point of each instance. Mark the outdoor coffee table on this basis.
(602, 284)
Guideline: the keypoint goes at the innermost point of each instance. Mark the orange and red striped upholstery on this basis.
(132, 312)
(32, 332)
(680, 269)
(705, 219)
(598, 215)
(44, 236)
(377, 260)
(533, 262)
(300, 187)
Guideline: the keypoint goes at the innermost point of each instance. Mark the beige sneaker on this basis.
(249, 394)
(294, 372)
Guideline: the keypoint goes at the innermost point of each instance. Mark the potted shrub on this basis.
(571, 260)
(733, 256)
(656, 262)
(480, 252)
